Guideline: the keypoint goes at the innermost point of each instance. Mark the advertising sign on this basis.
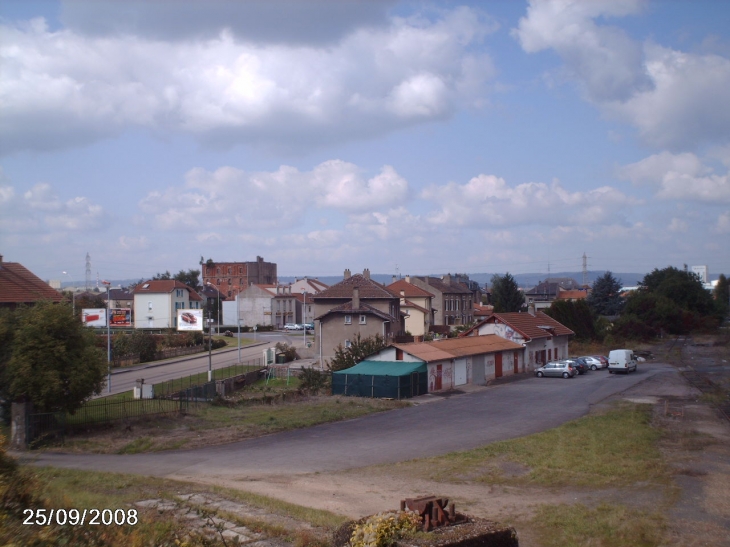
(190, 320)
(93, 317)
(121, 317)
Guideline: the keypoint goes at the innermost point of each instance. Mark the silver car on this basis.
(594, 362)
(556, 368)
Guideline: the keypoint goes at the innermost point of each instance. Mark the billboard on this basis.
(121, 317)
(93, 317)
(190, 320)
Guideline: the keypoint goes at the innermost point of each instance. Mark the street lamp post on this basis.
(210, 346)
(304, 318)
(108, 338)
(238, 320)
(218, 307)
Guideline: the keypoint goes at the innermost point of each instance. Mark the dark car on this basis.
(580, 365)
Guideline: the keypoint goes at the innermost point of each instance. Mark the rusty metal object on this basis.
(434, 511)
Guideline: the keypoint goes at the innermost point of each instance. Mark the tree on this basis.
(54, 360)
(722, 296)
(506, 295)
(682, 287)
(162, 276)
(605, 298)
(358, 350)
(574, 315)
(191, 278)
(657, 312)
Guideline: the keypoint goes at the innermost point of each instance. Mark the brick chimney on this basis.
(408, 279)
(355, 298)
(531, 308)
(347, 273)
(366, 273)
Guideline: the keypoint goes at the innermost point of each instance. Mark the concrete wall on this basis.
(335, 332)
(152, 311)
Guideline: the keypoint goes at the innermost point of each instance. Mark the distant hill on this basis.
(526, 281)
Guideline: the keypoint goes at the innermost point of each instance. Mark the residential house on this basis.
(233, 277)
(416, 302)
(263, 304)
(19, 286)
(120, 298)
(306, 288)
(544, 338)
(455, 362)
(453, 303)
(544, 293)
(573, 295)
(357, 305)
(156, 303)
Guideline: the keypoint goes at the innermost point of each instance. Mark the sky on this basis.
(403, 137)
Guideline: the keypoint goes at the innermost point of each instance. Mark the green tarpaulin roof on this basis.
(385, 368)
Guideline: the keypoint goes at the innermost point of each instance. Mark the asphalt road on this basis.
(152, 373)
(453, 423)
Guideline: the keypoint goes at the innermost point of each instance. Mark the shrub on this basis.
(312, 380)
(383, 529)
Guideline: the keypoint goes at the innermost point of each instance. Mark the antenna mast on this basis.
(585, 269)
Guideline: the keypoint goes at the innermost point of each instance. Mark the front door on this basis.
(438, 378)
(517, 361)
(460, 372)
(498, 365)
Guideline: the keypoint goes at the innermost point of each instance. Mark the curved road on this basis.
(455, 423)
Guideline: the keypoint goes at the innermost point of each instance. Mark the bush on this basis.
(313, 381)
(384, 529)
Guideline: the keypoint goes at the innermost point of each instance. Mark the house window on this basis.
(348, 321)
(218, 281)
(398, 354)
(363, 319)
(229, 294)
(240, 272)
(218, 272)
(347, 343)
(229, 270)
(149, 306)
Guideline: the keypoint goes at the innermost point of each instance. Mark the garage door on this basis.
(460, 372)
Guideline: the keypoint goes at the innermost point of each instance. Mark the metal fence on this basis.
(170, 388)
(49, 427)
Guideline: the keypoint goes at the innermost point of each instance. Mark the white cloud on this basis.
(62, 88)
(722, 226)
(674, 99)
(41, 209)
(679, 176)
(487, 200)
(677, 225)
(232, 198)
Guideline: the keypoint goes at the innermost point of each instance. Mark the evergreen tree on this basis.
(605, 298)
(574, 315)
(506, 294)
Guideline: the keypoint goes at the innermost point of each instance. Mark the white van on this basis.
(621, 360)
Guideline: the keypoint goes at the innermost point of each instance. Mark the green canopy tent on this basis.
(382, 379)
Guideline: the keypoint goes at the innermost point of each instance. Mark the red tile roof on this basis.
(530, 326)
(165, 286)
(572, 295)
(367, 288)
(458, 347)
(347, 309)
(19, 285)
(409, 289)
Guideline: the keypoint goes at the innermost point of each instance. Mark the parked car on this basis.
(309, 326)
(594, 362)
(602, 358)
(579, 364)
(621, 360)
(292, 326)
(556, 368)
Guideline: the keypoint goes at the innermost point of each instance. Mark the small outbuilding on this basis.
(382, 379)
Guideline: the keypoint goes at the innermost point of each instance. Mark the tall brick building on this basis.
(230, 278)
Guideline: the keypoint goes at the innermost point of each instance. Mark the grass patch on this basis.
(613, 449)
(262, 420)
(142, 444)
(590, 347)
(605, 526)
(172, 386)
